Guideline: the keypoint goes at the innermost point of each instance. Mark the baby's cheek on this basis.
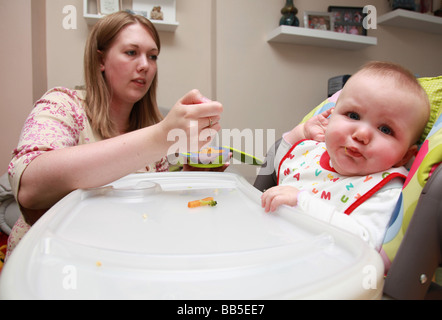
(387, 159)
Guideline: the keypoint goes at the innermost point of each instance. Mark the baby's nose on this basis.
(362, 134)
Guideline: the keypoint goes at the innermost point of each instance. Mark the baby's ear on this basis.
(411, 152)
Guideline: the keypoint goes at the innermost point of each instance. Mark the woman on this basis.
(74, 139)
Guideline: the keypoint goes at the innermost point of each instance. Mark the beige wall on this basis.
(271, 85)
(65, 47)
(220, 48)
(16, 89)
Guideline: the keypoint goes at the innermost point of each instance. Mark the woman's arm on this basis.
(54, 174)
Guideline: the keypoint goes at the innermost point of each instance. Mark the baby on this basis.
(346, 165)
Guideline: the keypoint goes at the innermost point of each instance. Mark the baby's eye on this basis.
(353, 115)
(386, 130)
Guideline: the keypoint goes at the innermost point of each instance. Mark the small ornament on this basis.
(289, 15)
(156, 13)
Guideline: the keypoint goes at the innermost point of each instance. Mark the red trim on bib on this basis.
(324, 162)
(372, 191)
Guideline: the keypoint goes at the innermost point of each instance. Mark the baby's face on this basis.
(373, 126)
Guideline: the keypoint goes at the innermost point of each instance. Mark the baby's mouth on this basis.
(352, 152)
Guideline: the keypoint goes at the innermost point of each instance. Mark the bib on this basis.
(307, 166)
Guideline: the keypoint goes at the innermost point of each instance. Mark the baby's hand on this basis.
(276, 196)
(314, 128)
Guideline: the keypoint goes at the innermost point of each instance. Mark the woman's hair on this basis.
(98, 96)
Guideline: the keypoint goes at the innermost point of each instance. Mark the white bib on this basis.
(307, 166)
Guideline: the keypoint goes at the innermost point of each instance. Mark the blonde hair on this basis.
(388, 69)
(144, 112)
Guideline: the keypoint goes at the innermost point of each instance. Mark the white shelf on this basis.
(412, 20)
(321, 38)
(168, 7)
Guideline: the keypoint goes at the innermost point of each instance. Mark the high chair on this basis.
(412, 248)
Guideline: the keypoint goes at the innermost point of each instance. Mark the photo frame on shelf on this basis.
(426, 6)
(318, 20)
(403, 4)
(108, 6)
(348, 20)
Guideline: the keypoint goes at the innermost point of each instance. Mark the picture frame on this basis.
(348, 20)
(318, 20)
(108, 6)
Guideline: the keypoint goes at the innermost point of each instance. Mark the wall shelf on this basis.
(91, 15)
(320, 38)
(412, 20)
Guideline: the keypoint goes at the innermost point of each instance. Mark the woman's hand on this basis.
(194, 120)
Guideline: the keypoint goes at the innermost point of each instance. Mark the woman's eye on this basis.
(131, 52)
(386, 130)
(353, 115)
(153, 57)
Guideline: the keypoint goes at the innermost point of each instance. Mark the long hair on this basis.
(98, 96)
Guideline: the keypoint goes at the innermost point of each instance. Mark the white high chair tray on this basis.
(137, 239)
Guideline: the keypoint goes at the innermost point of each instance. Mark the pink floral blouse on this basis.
(58, 120)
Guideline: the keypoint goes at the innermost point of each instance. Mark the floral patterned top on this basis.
(58, 120)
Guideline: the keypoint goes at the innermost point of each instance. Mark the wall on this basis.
(220, 48)
(65, 47)
(272, 86)
(22, 56)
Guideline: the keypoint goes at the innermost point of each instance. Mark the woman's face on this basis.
(130, 65)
